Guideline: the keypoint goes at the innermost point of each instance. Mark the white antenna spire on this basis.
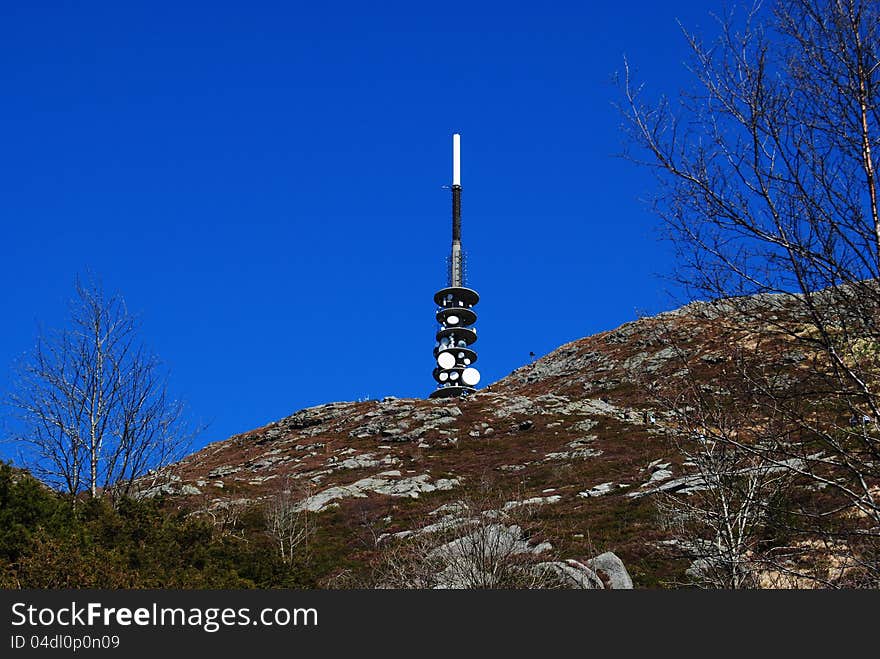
(456, 159)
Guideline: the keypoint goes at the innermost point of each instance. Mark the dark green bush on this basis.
(48, 542)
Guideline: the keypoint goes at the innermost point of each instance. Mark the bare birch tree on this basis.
(722, 517)
(287, 521)
(768, 185)
(92, 403)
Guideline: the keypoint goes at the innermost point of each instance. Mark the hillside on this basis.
(573, 437)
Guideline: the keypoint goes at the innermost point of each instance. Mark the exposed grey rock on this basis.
(170, 489)
(224, 470)
(698, 569)
(534, 501)
(598, 490)
(485, 545)
(649, 362)
(387, 482)
(267, 461)
(452, 508)
(446, 524)
(310, 447)
(585, 425)
(259, 480)
(589, 406)
(312, 416)
(570, 574)
(610, 565)
(660, 475)
(579, 454)
(696, 483)
(367, 460)
(513, 405)
(496, 539)
(227, 504)
(564, 361)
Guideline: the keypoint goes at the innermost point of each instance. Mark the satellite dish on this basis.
(453, 375)
(461, 355)
(452, 320)
(443, 376)
(470, 376)
(445, 360)
(467, 362)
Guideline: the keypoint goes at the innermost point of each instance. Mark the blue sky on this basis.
(263, 183)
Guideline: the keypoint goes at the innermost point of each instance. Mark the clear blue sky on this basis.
(263, 183)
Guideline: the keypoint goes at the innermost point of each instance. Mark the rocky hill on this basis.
(575, 438)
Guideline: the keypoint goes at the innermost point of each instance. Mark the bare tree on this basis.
(92, 402)
(769, 186)
(287, 521)
(722, 516)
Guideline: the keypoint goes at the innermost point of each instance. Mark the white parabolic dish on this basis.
(445, 360)
(470, 376)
